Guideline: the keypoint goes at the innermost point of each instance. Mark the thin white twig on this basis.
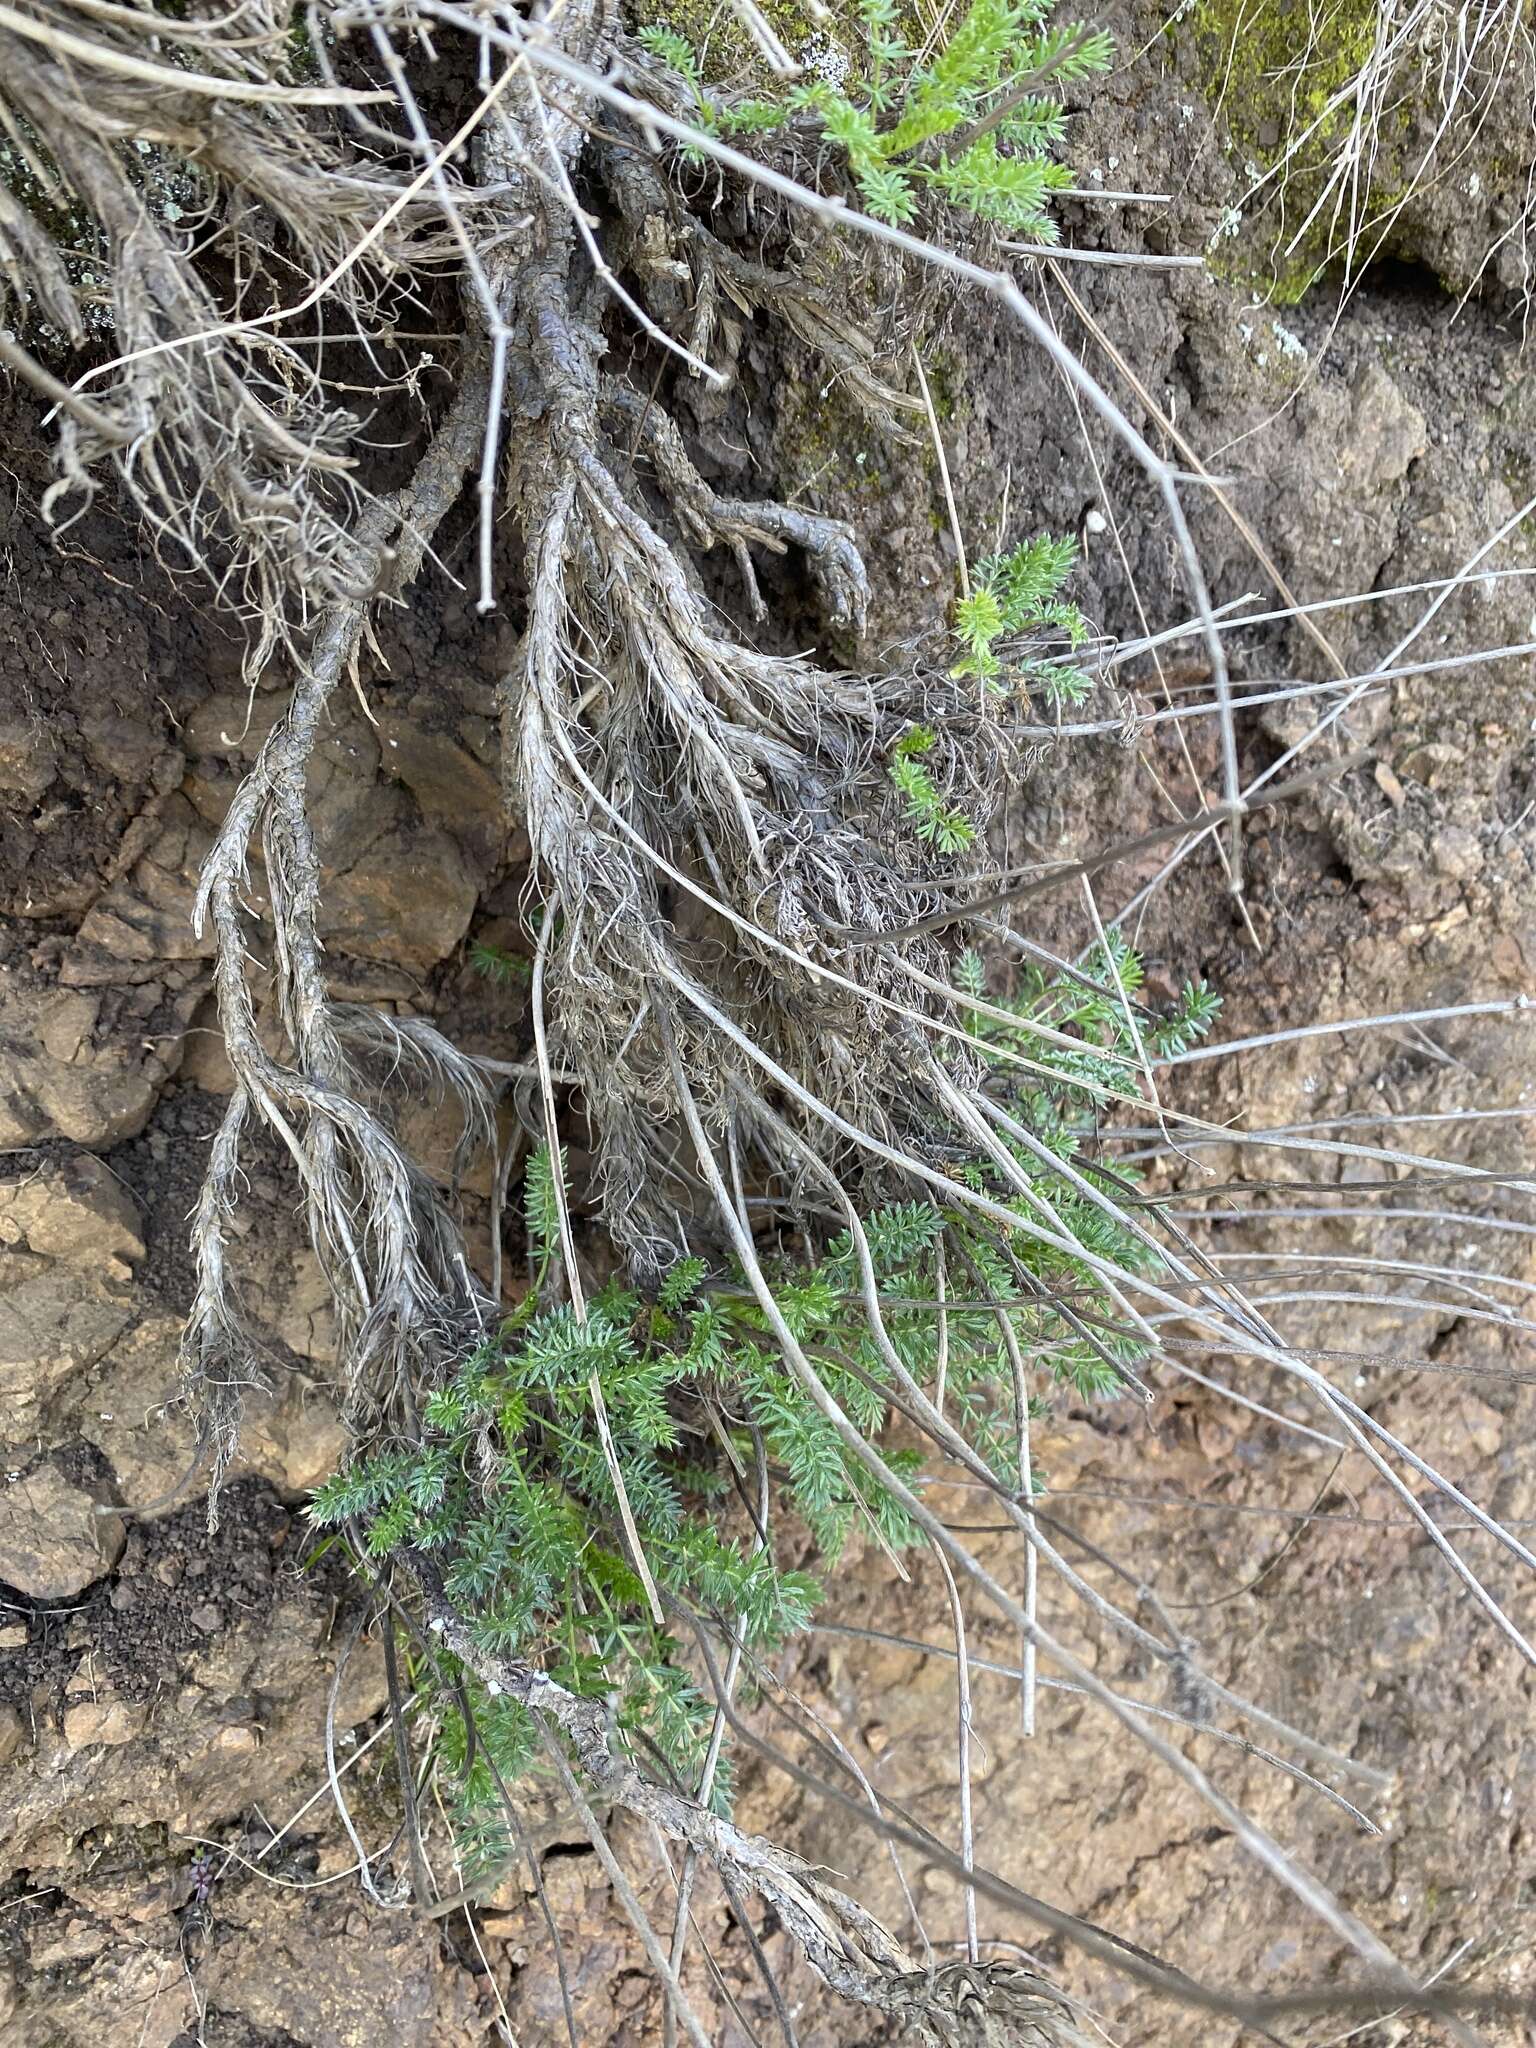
(963, 1748)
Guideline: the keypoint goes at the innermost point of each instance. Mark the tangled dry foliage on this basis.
(743, 962)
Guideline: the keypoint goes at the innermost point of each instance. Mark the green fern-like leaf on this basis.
(682, 1283)
(891, 115)
(938, 824)
(672, 49)
(1028, 578)
(1072, 53)
(510, 1487)
(979, 618)
(541, 1205)
(497, 965)
(971, 976)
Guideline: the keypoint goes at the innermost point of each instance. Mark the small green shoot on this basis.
(940, 825)
(972, 117)
(1017, 594)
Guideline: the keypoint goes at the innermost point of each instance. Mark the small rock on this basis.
(60, 1942)
(230, 727)
(565, 1886)
(207, 1617)
(27, 756)
(1457, 853)
(364, 1689)
(78, 1211)
(1424, 764)
(453, 788)
(502, 1926)
(238, 1741)
(298, 1444)
(1482, 1425)
(306, 1316)
(57, 1081)
(1389, 786)
(52, 1541)
(56, 1322)
(146, 916)
(204, 1062)
(431, 1130)
(129, 749)
(137, 1896)
(15, 1638)
(128, 1415)
(1387, 432)
(105, 1722)
(1397, 1639)
(12, 1728)
(407, 902)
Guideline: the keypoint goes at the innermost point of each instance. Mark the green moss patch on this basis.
(1277, 76)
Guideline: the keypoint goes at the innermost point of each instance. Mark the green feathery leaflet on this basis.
(973, 116)
(509, 1490)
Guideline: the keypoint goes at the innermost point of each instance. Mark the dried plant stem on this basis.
(373, 1218)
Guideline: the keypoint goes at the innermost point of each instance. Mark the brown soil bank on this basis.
(175, 1870)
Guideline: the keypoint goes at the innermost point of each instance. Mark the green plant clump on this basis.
(510, 1488)
(943, 826)
(1013, 605)
(1019, 593)
(966, 115)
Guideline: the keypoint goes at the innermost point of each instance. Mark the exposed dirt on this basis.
(176, 1870)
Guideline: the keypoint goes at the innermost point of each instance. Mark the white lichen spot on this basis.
(827, 58)
(1290, 345)
(1230, 224)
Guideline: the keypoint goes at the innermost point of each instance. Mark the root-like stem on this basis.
(389, 1252)
(848, 1949)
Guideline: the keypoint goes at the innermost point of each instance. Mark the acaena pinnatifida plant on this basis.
(854, 1198)
(510, 1489)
